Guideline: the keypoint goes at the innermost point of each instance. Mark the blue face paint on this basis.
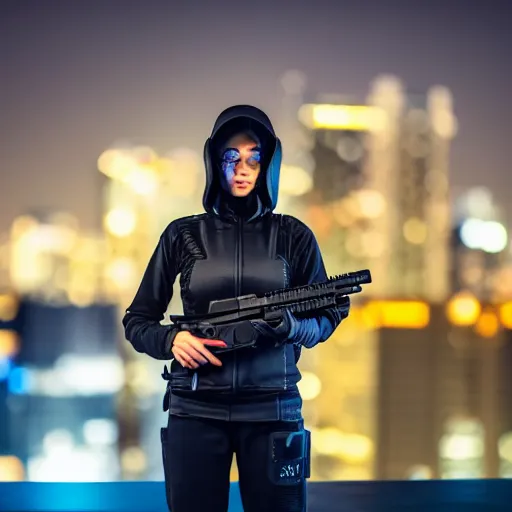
(231, 158)
(255, 158)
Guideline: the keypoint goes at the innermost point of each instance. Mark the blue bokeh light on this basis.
(5, 368)
(19, 381)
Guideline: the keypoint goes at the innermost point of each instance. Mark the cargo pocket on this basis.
(164, 438)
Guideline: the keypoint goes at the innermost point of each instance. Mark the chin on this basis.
(241, 193)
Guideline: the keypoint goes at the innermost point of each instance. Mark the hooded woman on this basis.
(244, 402)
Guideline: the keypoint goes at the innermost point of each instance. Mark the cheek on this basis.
(229, 172)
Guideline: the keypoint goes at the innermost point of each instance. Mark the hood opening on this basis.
(236, 119)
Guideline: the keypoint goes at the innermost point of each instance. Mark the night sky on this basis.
(80, 75)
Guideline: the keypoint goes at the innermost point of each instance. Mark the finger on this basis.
(214, 360)
(187, 359)
(203, 341)
(211, 358)
(180, 360)
(213, 343)
(195, 354)
(207, 354)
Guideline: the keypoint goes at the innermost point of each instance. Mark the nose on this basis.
(243, 169)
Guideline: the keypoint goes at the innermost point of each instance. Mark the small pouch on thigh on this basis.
(289, 457)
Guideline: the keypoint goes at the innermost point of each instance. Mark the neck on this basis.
(243, 207)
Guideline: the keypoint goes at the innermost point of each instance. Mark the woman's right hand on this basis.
(191, 352)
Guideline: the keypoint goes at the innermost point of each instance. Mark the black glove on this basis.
(306, 332)
(282, 332)
(300, 331)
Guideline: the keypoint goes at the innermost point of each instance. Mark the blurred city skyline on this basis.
(82, 76)
(100, 104)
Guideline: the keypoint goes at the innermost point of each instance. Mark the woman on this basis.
(243, 401)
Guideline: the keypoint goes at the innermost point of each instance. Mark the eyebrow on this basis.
(255, 148)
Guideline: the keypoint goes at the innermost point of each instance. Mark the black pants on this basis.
(198, 453)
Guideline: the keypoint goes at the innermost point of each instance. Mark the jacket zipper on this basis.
(238, 285)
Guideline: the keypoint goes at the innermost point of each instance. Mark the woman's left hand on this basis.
(282, 332)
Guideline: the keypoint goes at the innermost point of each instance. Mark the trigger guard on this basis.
(208, 331)
(237, 336)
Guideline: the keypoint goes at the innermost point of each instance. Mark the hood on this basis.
(230, 121)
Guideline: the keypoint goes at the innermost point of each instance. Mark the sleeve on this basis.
(308, 268)
(142, 319)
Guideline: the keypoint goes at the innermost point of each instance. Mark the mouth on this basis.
(242, 183)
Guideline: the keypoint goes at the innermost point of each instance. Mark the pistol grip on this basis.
(201, 330)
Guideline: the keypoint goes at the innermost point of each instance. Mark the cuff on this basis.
(169, 341)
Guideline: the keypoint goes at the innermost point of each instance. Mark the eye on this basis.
(230, 156)
(254, 159)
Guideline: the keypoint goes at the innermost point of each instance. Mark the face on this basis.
(241, 165)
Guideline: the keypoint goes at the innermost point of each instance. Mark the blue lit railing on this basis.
(407, 496)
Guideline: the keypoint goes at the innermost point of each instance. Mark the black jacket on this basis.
(226, 252)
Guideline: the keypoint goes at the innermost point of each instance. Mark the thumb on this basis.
(261, 326)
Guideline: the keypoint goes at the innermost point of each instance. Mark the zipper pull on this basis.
(194, 381)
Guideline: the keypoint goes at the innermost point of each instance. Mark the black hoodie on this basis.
(239, 246)
(232, 120)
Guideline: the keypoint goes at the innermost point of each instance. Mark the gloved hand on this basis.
(306, 332)
(281, 333)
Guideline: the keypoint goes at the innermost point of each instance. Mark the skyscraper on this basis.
(380, 195)
(408, 164)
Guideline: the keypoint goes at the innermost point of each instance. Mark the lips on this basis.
(242, 183)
